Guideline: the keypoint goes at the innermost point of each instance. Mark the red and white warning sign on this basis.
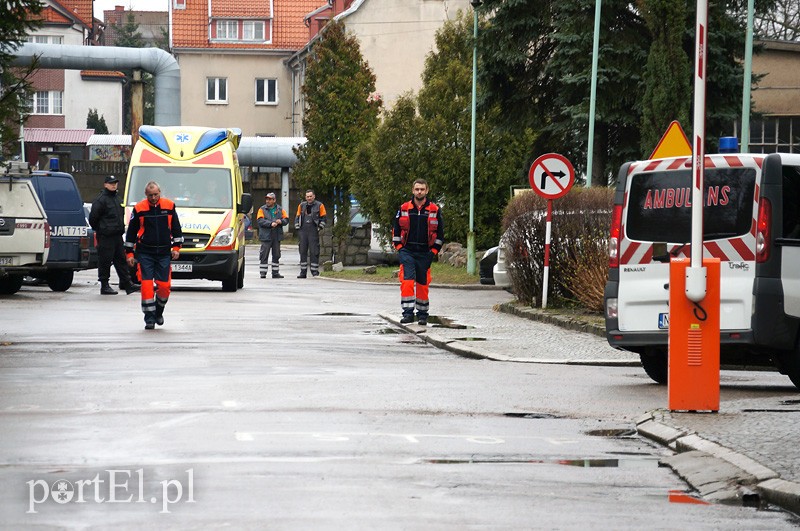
(551, 176)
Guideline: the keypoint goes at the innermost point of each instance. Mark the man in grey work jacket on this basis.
(309, 221)
(270, 219)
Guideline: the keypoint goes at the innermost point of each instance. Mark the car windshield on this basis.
(659, 205)
(187, 187)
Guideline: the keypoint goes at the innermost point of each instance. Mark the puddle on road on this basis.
(382, 331)
(470, 339)
(530, 415)
(443, 322)
(341, 314)
(579, 463)
(614, 432)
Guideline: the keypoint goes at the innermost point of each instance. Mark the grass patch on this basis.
(440, 274)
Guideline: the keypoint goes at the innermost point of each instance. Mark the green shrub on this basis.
(578, 246)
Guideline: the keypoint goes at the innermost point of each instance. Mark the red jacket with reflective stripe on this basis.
(418, 229)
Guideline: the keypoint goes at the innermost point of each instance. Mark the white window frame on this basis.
(265, 82)
(46, 39)
(47, 102)
(227, 30)
(220, 85)
(179, 4)
(251, 29)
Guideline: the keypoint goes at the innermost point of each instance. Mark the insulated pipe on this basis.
(156, 61)
(268, 151)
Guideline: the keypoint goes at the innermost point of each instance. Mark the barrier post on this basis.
(694, 340)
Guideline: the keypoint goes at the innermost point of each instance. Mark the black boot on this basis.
(277, 275)
(105, 289)
(302, 274)
(132, 288)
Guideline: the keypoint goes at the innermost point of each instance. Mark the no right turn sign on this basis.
(551, 176)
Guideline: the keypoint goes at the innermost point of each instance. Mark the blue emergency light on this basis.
(728, 144)
(54, 164)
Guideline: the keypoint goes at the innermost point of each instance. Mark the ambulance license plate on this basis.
(178, 267)
(663, 321)
(6, 260)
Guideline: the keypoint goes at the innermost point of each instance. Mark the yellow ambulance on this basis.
(196, 168)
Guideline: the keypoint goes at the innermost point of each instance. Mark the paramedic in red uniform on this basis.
(418, 235)
(154, 235)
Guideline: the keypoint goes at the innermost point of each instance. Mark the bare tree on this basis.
(782, 23)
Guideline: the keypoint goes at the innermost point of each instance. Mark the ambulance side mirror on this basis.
(246, 204)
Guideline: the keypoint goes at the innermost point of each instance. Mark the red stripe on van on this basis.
(214, 158)
(757, 193)
(733, 161)
(741, 247)
(148, 157)
(759, 161)
(629, 252)
(652, 166)
(631, 168)
(677, 163)
(715, 251)
(648, 256)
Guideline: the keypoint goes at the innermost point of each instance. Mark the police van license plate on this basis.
(6, 260)
(663, 321)
(178, 267)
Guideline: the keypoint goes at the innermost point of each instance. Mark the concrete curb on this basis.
(476, 287)
(471, 350)
(718, 473)
(564, 321)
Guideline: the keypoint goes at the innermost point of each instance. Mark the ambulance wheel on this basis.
(60, 279)
(240, 278)
(10, 284)
(655, 364)
(231, 283)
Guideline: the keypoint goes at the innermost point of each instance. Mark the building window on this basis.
(216, 90)
(46, 39)
(46, 102)
(227, 30)
(266, 91)
(253, 30)
(179, 4)
(772, 134)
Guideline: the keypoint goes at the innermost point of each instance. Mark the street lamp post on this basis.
(471, 234)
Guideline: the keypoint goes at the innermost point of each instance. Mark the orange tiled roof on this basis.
(81, 9)
(102, 73)
(190, 26)
(50, 15)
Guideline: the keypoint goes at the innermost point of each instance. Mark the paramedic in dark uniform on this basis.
(309, 221)
(418, 235)
(107, 218)
(154, 236)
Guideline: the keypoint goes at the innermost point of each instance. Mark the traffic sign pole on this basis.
(546, 277)
(551, 176)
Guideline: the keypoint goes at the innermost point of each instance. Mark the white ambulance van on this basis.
(751, 217)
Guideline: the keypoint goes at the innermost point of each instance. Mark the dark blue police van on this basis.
(70, 235)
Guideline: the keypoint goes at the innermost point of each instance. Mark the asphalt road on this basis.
(292, 404)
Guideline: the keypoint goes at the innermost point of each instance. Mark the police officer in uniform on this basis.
(418, 235)
(309, 221)
(107, 220)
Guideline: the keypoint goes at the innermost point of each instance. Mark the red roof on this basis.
(190, 26)
(81, 9)
(57, 136)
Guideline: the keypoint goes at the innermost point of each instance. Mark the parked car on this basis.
(493, 268)
(69, 231)
(24, 232)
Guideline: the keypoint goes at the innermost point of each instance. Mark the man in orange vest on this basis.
(154, 234)
(418, 236)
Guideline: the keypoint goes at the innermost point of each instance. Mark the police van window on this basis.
(659, 205)
(59, 194)
(791, 202)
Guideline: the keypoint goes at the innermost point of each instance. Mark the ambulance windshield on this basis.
(187, 187)
(659, 205)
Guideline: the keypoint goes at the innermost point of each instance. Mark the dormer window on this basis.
(239, 30)
(179, 4)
